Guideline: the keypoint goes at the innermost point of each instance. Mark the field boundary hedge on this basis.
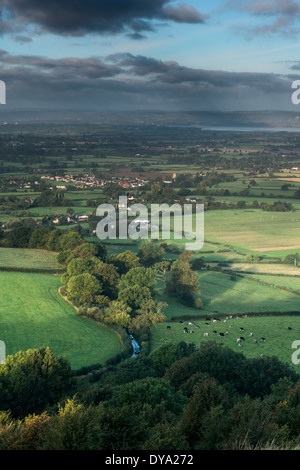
(286, 289)
(220, 315)
(32, 270)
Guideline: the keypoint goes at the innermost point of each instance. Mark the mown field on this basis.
(248, 231)
(33, 314)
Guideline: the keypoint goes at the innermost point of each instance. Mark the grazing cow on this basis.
(242, 338)
(207, 318)
(230, 326)
(214, 320)
(240, 345)
(250, 334)
(207, 324)
(238, 340)
(242, 329)
(205, 334)
(221, 334)
(197, 326)
(255, 341)
(168, 327)
(180, 321)
(263, 339)
(215, 332)
(191, 323)
(185, 331)
(192, 331)
(289, 328)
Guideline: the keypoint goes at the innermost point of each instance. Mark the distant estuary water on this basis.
(242, 128)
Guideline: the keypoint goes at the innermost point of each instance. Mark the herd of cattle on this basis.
(208, 323)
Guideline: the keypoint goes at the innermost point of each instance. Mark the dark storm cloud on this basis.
(77, 17)
(173, 73)
(125, 81)
(91, 67)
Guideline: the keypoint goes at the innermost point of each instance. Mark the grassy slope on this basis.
(220, 295)
(33, 314)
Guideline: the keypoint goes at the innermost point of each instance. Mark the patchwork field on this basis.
(33, 314)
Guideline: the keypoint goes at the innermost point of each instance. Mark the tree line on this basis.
(178, 397)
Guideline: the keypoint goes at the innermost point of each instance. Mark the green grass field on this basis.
(272, 233)
(248, 231)
(274, 329)
(28, 259)
(285, 282)
(222, 296)
(33, 314)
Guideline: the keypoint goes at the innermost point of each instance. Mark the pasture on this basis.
(222, 296)
(33, 315)
(278, 339)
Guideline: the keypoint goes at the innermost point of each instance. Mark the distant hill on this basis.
(197, 118)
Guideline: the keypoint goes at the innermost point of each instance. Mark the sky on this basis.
(168, 55)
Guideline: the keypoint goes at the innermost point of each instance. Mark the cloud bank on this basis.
(127, 81)
(78, 18)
